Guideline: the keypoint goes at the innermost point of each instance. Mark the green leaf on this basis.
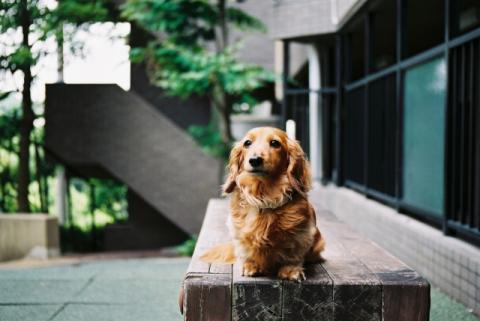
(243, 20)
(187, 247)
(5, 95)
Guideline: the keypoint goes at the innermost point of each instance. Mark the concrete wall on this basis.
(299, 18)
(344, 9)
(448, 263)
(256, 47)
(303, 18)
(33, 235)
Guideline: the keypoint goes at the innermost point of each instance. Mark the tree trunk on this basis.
(38, 174)
(222, 106)
(61, 197)
(93, 207)
(222, 32)
(2, 194)
(60, 56)
(46, 192)
(26, 123)
(220, 99)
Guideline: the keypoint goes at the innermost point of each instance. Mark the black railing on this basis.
(463, 183)
(373, 128)
(370, 137)
(297, 108)
(366, 123)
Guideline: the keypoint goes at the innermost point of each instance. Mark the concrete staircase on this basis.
(104, 131)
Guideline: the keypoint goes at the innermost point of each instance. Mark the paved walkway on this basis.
(121, 290)
(114, 290)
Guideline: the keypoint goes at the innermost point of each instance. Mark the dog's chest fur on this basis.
(253, 224)
(272, 234)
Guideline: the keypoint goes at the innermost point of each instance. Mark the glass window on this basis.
(382, 119)
(465, 16)
(355, 136)
(425, 20)
(355, 55)
(383, 15)
(423, 136)
(327, 61)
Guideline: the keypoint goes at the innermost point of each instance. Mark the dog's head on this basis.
(266, 153)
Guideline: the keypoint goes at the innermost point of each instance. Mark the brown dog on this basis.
(272, 223)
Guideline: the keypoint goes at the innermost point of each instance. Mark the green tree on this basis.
(9, 123)
(36, 23)
(191, 54)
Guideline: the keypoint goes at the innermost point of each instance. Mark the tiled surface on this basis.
(39, 291)
(122, 290)
(28, 312)
(117, 290)
(130, 312)
(447, 262)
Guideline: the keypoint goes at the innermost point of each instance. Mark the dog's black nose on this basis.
(256, 161)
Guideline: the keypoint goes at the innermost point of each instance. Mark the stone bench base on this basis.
(32, 235)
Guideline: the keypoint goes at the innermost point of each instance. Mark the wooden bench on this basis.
(359, 281)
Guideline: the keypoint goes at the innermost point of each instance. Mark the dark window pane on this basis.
(381, 135)
(355, 51)
(383, 15)
(298, 106)
(464, 120)
(328, 66)
(355, 136)
(425, 21)
(329, 130)
(465, 16)
(423, 136)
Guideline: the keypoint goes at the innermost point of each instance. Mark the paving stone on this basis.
(154, 269)
(445, 309)
(128, 291)
(39, 291)
(125, 290)
(49, 273)
(28, 312)
(129, 312)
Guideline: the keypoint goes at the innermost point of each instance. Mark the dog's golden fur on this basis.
(272, 222)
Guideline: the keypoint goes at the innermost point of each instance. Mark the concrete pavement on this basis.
(139, 289)
(116, 290)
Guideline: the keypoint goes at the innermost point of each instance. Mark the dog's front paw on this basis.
(291, 272)
(251, 269)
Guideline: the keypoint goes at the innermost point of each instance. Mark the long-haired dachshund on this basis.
(272, 223)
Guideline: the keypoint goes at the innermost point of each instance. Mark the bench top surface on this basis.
(357, 275)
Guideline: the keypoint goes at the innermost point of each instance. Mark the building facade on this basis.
(390, 109)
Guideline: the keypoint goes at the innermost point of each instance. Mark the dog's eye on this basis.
(247, 143)
(274, 143)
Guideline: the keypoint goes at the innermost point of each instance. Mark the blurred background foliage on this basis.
(190, 54)
(110, 196)
(187, 247)
(27, 171)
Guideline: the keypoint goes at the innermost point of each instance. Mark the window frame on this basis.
(401, 65)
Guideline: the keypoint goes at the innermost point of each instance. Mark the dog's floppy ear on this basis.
(233, 168)
(298, 170)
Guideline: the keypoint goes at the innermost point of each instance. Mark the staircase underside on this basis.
(101, 130)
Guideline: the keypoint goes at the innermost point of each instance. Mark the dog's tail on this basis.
(315, 253)
(219, 254)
